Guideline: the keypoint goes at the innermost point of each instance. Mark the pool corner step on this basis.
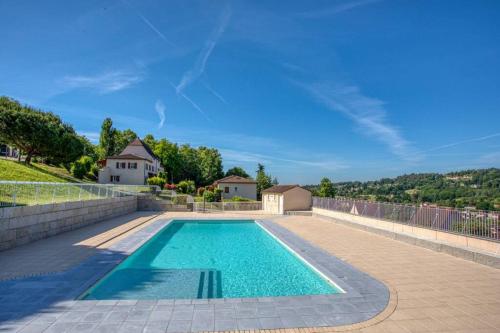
(210, 285)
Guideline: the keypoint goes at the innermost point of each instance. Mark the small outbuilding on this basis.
(282, 198)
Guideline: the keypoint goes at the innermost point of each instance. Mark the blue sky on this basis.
(352, 90)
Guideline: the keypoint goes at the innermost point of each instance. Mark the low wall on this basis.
(150, 203)
(25, 224)
(470, 248)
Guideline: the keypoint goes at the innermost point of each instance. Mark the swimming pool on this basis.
(211, 259)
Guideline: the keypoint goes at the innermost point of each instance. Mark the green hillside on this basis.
(468, 188)
(12, 170)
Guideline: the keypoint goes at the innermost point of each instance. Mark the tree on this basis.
(186, 187)
(113, 141)
(237, 171)
(210, 163)
(189, 167)
(275, 181)
(122, 139)
(38, 133)
(81, 167)
(149, 139)
(89, 149)
(263, 180)
(170, 158)
(66, 146)
(326, 188)
(107, 138)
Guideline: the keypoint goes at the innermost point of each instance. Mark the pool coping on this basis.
(365, 298)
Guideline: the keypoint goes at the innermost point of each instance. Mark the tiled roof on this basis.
(279, 188)
(235, 180)
(139, 142)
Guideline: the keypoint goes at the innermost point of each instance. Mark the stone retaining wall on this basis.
(25, 224)
(150, 203)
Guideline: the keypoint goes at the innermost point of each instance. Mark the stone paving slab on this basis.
(434, 292)
(61, 252)
(47, 303)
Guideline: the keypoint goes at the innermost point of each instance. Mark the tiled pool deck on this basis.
(429, 291)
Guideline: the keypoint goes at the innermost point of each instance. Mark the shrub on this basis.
(78, 170)
(186, 187)
(209, 196)
(218, 194)
(171, 187)
(81, 167)
(237, 199)
(157, 181)
(94, 171)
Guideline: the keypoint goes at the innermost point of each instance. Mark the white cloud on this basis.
(199, 67)
(239, 156)
(158, 32)
(215, 93)
(458, 143)
(160, 109)
(105, 83)
(196, 106)
(368, 113)
(149, 23)
(336, 9)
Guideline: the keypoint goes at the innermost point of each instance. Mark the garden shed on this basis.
(282, 198)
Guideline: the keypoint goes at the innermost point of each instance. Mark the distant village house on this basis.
(233, 186)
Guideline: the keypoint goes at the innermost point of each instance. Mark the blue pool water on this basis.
(210, 259)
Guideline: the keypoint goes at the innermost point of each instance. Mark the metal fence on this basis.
(226, 206)
(14, 193)
(481, 224)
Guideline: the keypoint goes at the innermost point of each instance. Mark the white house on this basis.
(281, 198)
(233, 186)
(133, 166)
(8, 151)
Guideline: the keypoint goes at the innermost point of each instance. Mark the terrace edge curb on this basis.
(468, 254)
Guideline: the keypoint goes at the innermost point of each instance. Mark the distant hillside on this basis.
(12, 170)
(474, 188)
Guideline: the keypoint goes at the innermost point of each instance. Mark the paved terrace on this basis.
(430, 291)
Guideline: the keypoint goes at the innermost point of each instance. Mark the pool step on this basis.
(147, 283)
(210, 285)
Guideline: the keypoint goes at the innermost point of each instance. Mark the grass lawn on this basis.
(12, 170)
(29, 194)
(35, 194)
